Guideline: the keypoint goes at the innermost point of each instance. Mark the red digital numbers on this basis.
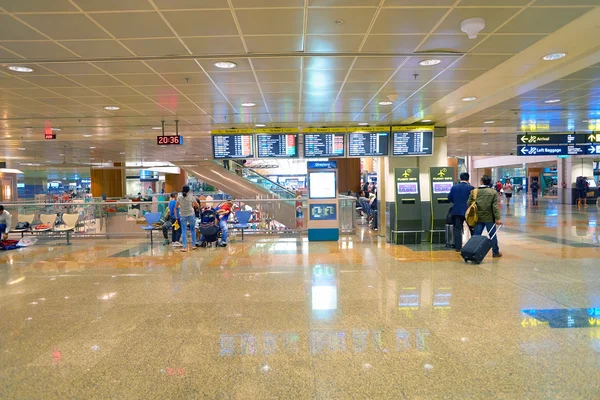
(165, 140)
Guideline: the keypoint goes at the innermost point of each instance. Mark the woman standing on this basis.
(186, 204)
(508, 191)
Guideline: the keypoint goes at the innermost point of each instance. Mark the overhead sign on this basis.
(412, 143)
(324, 145)
(537, 139)
(368, 144)
(322, 165)
(226, 146)
(278, 145)
(230, 131)
(559, 144)
(324, 130)
(553, 150)
(49, 136)
(168, 140)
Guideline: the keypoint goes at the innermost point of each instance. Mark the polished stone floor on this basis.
(286, 319)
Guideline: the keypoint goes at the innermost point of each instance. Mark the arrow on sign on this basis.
(592, 150)
(524, 139)
(524, 150)
(592, 138)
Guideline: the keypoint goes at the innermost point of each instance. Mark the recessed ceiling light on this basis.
(248, 104)
(552, 101)
(554, 56)
(339, 21)
(485, 144)
(430, 62)
(112, 108)
(464, 130)
(122, 153)
(586, 120)
(363, 123)
(260, 125)
(20, 68)
(385, 103)
(87, 135)
(157, 128)
(61, 154)
(22, 148)
(425, 120)
(56, 129)
(489, 122)
(469, 98)
(225, 64)
(92, 147)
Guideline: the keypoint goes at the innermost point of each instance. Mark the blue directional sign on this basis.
(593, 149)
(557, 150)
(558, 144)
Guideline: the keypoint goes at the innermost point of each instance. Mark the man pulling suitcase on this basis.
(483, 213)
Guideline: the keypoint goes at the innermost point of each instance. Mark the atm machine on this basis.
(441, 180)
(405, 220)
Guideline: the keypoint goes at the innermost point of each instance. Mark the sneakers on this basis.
(177, 244)
(222, 245)
(497, 255)
(166, 242)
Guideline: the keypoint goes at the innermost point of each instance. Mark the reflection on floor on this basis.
(269, 318)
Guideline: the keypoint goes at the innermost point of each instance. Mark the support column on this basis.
(348, 174)
(174, 182)
(108, 181)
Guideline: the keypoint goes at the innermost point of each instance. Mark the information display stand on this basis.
(441, 180)
(406, 225)
(323, 221)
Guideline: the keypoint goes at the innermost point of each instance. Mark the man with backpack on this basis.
(484, 213)
(535, 188)
(458, 196)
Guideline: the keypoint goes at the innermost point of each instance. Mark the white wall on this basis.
(503, 161)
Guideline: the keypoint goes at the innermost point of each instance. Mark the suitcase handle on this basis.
(496, 230)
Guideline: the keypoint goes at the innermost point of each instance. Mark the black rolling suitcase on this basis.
(477, 247)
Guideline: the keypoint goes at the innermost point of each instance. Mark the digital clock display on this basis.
(166, 140)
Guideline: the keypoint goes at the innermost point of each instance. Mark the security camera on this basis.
(511, 153)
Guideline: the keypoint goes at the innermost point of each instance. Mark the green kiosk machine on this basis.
(441, 180)
(405, 224)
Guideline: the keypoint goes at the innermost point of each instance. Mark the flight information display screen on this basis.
(368, 144)
(412, 143)
(233, 146)
(277, 145)
(324, 145)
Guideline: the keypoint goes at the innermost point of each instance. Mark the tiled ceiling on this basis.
(303, 62)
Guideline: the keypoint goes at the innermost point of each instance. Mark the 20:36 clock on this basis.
(167, 140)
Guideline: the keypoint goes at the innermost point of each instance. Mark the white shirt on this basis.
(508, 188)
(6, 218)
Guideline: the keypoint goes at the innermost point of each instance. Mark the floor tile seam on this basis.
(524, 287)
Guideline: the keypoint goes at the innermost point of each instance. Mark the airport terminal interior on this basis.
(269, 199)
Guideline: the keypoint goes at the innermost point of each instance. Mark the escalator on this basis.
(248, 184)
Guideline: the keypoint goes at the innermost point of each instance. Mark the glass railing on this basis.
(262, 181)
(124, 218)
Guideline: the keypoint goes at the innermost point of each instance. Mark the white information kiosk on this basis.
(323, 221)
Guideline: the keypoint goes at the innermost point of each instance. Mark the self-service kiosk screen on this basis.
(322, 185)
(441, 187)
(408, 188)
(323, 212)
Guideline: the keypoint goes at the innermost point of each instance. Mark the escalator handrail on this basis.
(290, 193)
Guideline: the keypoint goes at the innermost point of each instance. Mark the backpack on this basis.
(472, 214)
